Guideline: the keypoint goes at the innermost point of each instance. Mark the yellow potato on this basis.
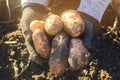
(53, 24)
(41, 43)
(36, 24)
(73, 23)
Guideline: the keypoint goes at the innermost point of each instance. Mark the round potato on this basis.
(53, 24)
(36, 24)
(59, 54)
(79, 55)
(41, 43)
(73, 23)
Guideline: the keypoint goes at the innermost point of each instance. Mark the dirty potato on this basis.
(41, 43)
(78, 55)
(73, 23)
(53, 24)
(59, 54)
(36, 24)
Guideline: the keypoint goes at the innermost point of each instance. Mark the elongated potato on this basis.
(59, 54)
(73, 23)
(36, 24)
(78, 55)
(41, 43)
(53, 24)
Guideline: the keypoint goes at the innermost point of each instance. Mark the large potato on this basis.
(41, 43)
(73, 23)
(78, 56)
(53, 24)
(59, 54)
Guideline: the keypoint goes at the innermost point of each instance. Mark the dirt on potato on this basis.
(103, 65)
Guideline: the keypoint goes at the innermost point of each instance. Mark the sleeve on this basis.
(42, 2)
(94, 8)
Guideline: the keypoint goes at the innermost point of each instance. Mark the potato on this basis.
(59, 54)
(53, 24)
(78, 55)
(41, 43)
(36, 24)
(73, 23)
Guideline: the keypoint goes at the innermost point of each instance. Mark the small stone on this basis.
(12, 53)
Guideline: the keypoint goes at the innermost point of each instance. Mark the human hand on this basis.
(29, 14)
(88, 34)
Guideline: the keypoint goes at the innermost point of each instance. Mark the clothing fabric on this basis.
(94, 8)
(56, 6)
(42, 2)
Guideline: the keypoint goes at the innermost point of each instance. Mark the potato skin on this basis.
(41, 43)
(36, 24)
(78, 55)
(73, 23)
(53, 24)
(59, 54)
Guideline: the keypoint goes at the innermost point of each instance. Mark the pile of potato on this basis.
(66, 49)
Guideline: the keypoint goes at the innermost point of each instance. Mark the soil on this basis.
(103, 65)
